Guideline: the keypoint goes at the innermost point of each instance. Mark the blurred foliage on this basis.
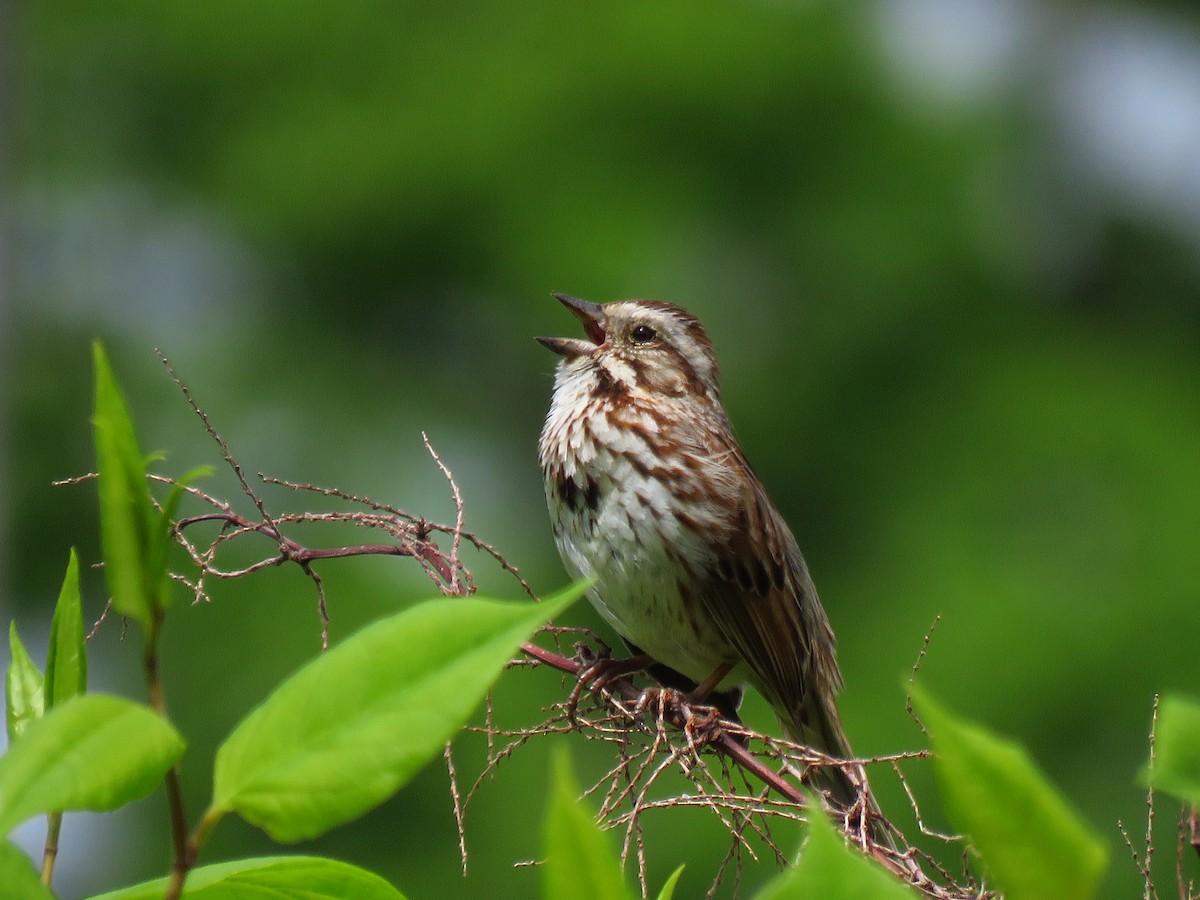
(966, 371)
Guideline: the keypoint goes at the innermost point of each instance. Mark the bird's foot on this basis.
(700, 721)
(598, 672)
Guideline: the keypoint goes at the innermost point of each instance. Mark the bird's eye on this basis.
(643, 334)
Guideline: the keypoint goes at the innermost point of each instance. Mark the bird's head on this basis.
(644, 345)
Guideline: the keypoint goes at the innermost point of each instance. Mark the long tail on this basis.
(820, 727)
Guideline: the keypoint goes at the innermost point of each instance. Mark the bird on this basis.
(652, 498)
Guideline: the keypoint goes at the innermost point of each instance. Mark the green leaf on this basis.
(127, 515)
(17, 874)
(94, 752)
(829, 869)
(579, 861)
(1176, 768)
(24, 687)
(1032, 843)
(271, 878)
(66, 661)
(668, 889)
(351, 727)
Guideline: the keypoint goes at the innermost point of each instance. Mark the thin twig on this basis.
(456, 539)
(908, 705)
(100, 621)
(448, 755)
(1148, 890)
(216, 436)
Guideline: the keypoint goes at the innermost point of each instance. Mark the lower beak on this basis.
(568, 348)
(593, 319)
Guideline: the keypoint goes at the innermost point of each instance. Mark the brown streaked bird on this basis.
(651, 496)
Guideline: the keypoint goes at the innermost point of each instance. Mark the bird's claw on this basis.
(598, 672)
(700, 721)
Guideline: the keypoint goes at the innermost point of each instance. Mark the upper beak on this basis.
(593, 319)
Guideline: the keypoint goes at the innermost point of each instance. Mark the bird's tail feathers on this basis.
(822, 730)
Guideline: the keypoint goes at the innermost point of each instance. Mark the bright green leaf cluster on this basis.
(28, 693)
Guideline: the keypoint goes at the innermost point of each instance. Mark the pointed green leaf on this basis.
(17, 874)
(93, 752)
(829, 869)
(1176, 767)
(579, 861)
(668, 888)
(24, 687)
(1032, 843)
(347, 730)
(126, 512)
(271, 878)
(66, 661)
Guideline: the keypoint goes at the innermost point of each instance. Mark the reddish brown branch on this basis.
(293, 551)
(420, 527)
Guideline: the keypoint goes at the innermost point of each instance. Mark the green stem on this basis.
(179, 873)
(181, 857)
(200, 835)
(50, 853)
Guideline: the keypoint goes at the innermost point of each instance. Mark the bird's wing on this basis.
(762, 598)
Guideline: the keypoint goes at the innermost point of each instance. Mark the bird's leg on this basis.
(708, 685)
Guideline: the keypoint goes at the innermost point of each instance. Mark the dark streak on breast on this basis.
(573, 496)
(591, 494)
(568, 491)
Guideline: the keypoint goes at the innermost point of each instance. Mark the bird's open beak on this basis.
(593, 319)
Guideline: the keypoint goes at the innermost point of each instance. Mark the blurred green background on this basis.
(948, 251)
